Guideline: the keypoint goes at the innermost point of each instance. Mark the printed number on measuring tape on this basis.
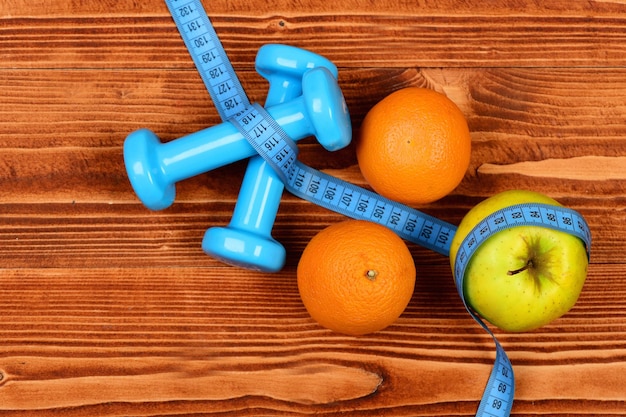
(528, 214)
(267, 138)
(356, 202)
(209, 56)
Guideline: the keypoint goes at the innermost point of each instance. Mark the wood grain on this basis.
(191, 339)
(111, 309)
(353, 33)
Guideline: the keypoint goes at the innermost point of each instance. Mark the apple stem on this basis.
(529, 264)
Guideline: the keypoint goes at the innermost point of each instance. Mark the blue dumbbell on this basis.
(154, 167)
(247, 240)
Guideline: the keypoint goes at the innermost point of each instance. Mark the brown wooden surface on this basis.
(110, 309)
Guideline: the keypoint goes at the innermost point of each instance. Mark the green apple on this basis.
(523, 277)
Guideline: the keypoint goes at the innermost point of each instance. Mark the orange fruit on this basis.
(414, 146)
(356, 277)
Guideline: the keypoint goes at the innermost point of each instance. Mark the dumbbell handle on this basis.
(223, 144)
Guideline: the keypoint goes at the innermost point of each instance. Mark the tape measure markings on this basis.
(498, 400)
(554, 217)
(209, 56)
(268, 139)
(356, 202)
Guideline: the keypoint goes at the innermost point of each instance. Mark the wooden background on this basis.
(109, 309)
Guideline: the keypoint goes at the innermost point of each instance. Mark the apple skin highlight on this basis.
(524, 277)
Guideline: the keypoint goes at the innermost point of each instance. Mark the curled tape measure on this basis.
(337, 195)
(528, 214)
(498, 396)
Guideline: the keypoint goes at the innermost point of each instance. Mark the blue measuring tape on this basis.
(498, 396)
(209, 57)
(340, 196)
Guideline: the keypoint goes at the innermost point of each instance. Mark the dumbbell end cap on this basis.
(244, 249)
(287, 60)
(327, 109)
(143, 171)
(283, 66)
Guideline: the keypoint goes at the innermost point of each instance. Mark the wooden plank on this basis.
(392, 34)
(60, 161)
(187, 339)
(515, 115)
